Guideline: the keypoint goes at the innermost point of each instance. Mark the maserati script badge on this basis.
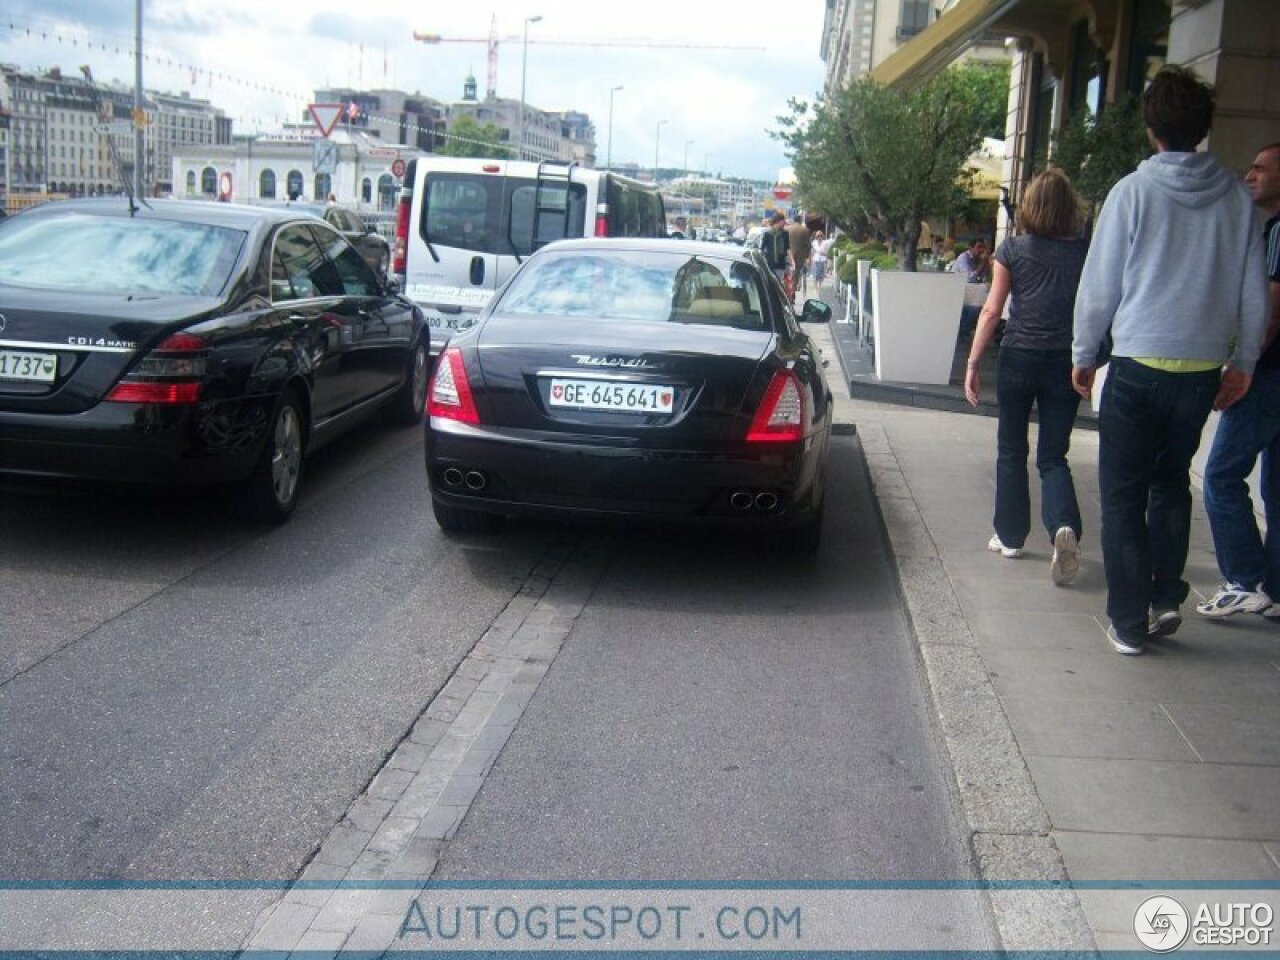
(631, 363)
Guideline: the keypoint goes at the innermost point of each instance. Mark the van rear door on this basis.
(451, 268)
(473, 227)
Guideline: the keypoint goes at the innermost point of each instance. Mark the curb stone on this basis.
(397, 829)
(1009, 825)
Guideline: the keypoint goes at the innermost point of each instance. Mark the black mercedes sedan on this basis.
(193, 342)
(657, 379)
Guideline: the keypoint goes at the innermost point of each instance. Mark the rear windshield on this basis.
(638, 286)
(97, 254)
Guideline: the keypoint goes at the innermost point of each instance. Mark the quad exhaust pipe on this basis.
(456, 477)
(745, 501)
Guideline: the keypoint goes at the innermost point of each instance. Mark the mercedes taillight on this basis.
(171, 373)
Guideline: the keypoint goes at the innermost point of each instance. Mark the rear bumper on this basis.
(136, 443)
(474, 469)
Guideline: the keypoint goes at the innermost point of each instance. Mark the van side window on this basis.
(461, 212)
(634, 211)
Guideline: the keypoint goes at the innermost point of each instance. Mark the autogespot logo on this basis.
(1161, 924)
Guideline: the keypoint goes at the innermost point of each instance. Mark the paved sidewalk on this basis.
(1072, 761)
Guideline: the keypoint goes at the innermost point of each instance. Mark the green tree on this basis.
(466, 138)
(890, 158)
(1095, 152)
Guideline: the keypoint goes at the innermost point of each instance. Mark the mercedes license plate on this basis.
(605, 395)
(20, 365)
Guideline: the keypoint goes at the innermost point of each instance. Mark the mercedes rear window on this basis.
(639, 286)
(90, 253)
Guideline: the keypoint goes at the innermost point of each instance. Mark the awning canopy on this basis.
(938, 44)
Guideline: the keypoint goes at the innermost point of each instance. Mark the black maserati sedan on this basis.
(623, 378)
(169, 341)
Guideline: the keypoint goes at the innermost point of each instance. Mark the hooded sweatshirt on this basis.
(1175, 268)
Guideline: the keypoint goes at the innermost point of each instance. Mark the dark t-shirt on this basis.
(1045, 273)
(1271, 243)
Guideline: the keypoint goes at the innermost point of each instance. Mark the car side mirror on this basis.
(392, 285)
(815, 311)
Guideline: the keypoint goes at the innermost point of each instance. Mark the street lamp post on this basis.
(608, 163)
(657, 140)
(524, 60)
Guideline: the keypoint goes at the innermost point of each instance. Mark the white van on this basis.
(463, 226)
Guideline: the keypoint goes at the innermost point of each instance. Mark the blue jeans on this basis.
(1247, 428)
(1149, 429)
(1043, 378)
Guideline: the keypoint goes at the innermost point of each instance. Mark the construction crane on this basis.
(493, 39)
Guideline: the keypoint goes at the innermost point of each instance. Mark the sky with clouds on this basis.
(262, 60)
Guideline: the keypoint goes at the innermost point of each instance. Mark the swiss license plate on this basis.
(20, 365)
(605, 395)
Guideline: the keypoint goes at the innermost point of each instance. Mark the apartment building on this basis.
(63, 129)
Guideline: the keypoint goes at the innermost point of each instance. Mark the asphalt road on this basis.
(183, 696)
(722, 711)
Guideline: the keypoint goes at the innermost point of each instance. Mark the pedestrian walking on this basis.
(1175, 272)
(774, 245)
(799, 247)
(1250, 565)
(821, 256)
(1041, 268)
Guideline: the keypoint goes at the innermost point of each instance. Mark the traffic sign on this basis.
(397, 168)
(325, 116)
(324, 158)
(115, 127)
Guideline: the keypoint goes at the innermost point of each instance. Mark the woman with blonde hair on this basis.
(1041, 269)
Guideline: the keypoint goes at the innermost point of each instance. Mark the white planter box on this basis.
(916, 319)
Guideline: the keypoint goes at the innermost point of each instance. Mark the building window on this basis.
(267, 184)
(366, 190)
(209, 181)
(324, 186)
(191, 182)
(1148, 43)
(294, 184)
(1088, 70)
(914, 18)
(386, 192)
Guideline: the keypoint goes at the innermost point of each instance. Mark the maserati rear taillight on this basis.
(780, 417)
(602, 219)
(172, 373)
(450, 395)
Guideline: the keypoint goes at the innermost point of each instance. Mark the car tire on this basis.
(409, 402)
(269, 494)
(457, 520)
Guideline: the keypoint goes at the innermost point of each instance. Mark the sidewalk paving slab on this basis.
(1158, 768)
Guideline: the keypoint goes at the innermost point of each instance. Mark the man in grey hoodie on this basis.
(1175, 272)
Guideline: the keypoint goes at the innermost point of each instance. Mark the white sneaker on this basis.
(1123, 646)
(1232, 598)
(1066, 557)
(1163, 623)
(995, 546)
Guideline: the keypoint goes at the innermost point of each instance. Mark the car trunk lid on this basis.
(669, 386)
(63, 353)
